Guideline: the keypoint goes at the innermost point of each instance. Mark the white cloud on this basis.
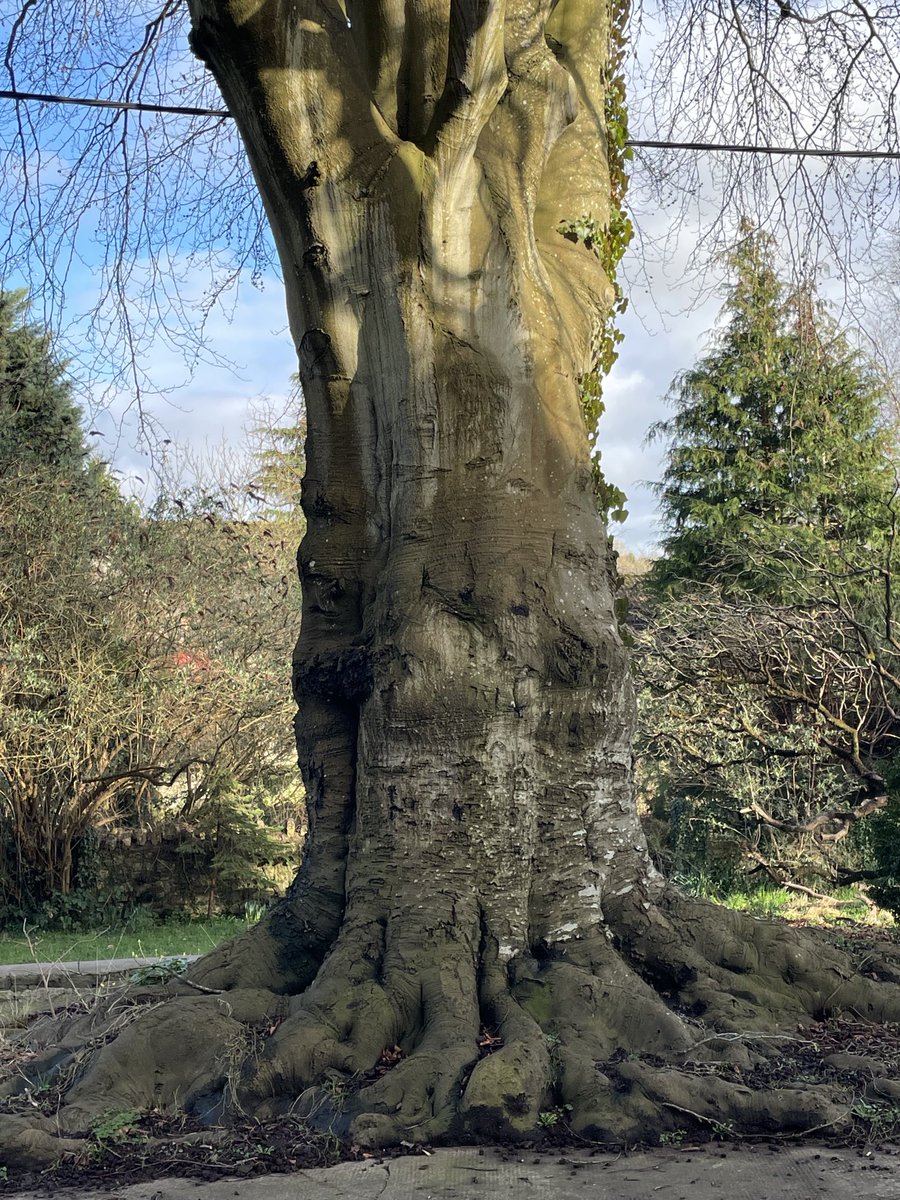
(248, 354)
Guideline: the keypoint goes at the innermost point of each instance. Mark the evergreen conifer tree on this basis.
(777, 456)
(40, 423)
(277, 441)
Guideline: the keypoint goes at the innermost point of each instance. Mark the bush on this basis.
(879, 842)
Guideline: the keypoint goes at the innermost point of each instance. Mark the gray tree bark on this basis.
(465, 707)
(464, 697)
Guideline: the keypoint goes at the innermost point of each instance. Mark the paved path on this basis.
(711, 1173)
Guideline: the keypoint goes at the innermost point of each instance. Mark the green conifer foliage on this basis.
(776, 451)
(40, 423)
(277, 441)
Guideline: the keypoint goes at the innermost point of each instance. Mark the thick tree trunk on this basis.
(475, 858)
(465, 709)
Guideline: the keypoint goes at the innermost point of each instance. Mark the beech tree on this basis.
(475, 858)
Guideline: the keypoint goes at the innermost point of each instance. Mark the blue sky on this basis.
(246, 352)
(206, 399)
(248, 357)
(666, 328)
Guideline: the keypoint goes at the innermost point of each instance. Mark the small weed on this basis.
(114, 1125)
(160, 972)
(254, 911)
(674, 1137)
(335, 1088)
(881, 1117)
(332, 1146)
(40, 1083)
(552, 1116)
(723, 1130)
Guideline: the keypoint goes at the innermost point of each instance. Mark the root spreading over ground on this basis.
(678, 1018)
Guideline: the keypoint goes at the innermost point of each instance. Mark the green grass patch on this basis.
(170, 940)
(848, 904)
(763, 902)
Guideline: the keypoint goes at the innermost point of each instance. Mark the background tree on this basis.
(40, 423)
(68, 717)
(60, 660)
(276, 441)
(211, 632)
(767, 643)
(143, 658)
(767, 731)
(776, 450)
(137, 688)
(768, 75)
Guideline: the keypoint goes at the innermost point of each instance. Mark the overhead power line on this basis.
(738, 148)
(126, 105)
(634, 143)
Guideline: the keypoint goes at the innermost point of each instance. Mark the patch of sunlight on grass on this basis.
(170, 939)
(762, 902)
(847, 904)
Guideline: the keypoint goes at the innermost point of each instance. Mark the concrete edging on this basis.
(27, 989)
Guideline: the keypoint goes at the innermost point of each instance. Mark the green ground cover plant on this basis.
(842, 906)
(173, 938)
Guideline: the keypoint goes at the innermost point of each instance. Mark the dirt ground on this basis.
(711, 1172)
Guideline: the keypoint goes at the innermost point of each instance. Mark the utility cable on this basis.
(632, 143)
(126, 105)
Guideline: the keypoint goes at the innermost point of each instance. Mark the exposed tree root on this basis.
(282, 953)
(644, 1028)
(737, 973)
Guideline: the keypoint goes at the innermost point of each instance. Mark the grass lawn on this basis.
(176, 938)
(147, 941)
(846, 904)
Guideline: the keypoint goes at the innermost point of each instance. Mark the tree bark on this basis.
(465, 708)
(475, 858)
